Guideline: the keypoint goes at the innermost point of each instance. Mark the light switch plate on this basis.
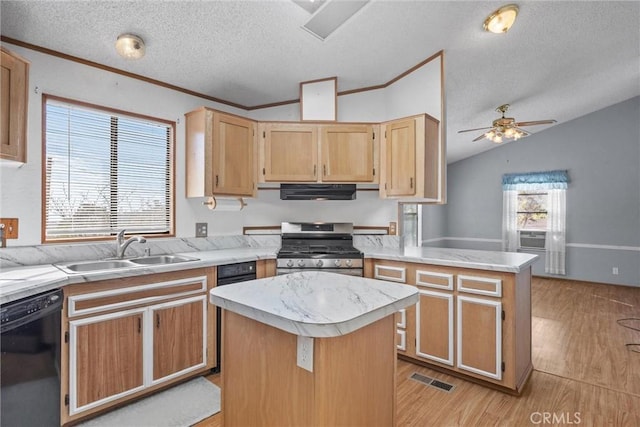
(393, 229)
(305, 353)
(201, 229)
(10, 227)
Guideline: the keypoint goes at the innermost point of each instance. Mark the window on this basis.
(532, 210)
(105, 170)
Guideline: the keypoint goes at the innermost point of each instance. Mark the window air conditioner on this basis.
(532, 239)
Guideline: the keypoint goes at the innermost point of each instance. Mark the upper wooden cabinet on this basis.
(13, 107)
(291, 152)
(412, 159)
(220, 154)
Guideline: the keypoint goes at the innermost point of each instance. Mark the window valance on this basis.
(549, 180)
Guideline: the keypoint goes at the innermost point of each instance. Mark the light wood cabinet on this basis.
(132, 336)
(13, 106)
(292, 152)
(179, 342)
(289, 153)
(221, 154)
(412, 160)
(105, 350)
(474, 323)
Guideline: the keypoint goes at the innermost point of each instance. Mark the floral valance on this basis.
(550, 180)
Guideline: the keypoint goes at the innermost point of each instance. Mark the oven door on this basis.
(348, 271)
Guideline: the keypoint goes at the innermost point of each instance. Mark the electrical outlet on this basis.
(10, 227)
(614, 271)
(201, 229)
(305, 353)
(393, 228)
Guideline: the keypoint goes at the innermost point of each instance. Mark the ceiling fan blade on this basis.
(471, 130)
(535, 122)
(479, 138)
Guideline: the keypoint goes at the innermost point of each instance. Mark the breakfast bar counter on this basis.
(310, 348)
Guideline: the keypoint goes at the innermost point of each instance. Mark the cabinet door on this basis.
(434, 326)
(347, 153)
(179, 331)
(479, 332)
(105, 359)
(400, 153)
(233, 156)
(13, 107)
(290, 153)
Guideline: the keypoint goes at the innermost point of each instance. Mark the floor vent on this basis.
(431, 382)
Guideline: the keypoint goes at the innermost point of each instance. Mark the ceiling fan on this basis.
(506, 127)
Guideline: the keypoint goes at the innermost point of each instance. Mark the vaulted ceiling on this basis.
(561, 60)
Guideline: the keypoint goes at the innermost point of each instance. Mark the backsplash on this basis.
(21, 256)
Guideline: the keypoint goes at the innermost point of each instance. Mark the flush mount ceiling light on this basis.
(332, 15)
(502, 19)
(130, 46)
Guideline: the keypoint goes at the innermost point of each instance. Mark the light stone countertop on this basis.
(20, 282)
(510, 262)
(314, 303)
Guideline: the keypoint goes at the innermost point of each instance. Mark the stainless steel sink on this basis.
(80, 267)
(115, 264)
(162, 259)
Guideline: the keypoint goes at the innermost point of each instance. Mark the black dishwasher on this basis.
(228, 274)
(30, 360)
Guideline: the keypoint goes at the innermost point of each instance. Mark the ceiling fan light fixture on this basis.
(502, 19)
(130, 46)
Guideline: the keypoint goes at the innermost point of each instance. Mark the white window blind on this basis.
(105, 171)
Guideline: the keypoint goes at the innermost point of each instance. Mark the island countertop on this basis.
(315, 304)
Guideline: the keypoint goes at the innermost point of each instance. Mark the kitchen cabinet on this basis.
(292, 152)
(474, 323)
(289, 152)
(434, 316)
(132, 336)
(412, 160)
(221, 154)
(13, 106)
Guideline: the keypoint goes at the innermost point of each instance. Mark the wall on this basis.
(601, 151)
(20, 185)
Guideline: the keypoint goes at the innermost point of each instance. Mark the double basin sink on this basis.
(115, 264)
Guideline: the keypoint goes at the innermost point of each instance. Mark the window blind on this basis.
(105, 171)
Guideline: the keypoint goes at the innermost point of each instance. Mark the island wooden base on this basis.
(352, 383)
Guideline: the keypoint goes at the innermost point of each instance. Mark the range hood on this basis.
(317, 191)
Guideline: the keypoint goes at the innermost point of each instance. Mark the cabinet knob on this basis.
(324, 170)
(216, 180)
(314, 170)
(410, 182)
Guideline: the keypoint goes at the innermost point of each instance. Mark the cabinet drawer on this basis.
(401, 340)
(393, 274)
(432, 279)
(96, 302)
(401, 319)
(480, 285)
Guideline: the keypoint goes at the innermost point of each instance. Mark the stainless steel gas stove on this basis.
(319, 246)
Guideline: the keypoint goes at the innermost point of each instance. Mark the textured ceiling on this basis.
(560, 61)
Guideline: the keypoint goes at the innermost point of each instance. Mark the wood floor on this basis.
(584, 373)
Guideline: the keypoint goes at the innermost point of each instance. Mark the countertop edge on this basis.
(313, 330)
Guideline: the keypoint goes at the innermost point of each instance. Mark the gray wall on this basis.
(602, 154)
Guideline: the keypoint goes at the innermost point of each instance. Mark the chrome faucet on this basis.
(122, 245)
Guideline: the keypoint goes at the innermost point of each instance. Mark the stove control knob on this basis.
(337, 263)
(290, 263)
(300, 263)
(319, 263)
(348, 263)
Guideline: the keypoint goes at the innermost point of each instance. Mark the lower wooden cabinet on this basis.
(471, 322)
(434, 326)
(106, 359)
(479, 333)
(124, 338)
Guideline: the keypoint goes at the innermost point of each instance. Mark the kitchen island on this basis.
(310, 348)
